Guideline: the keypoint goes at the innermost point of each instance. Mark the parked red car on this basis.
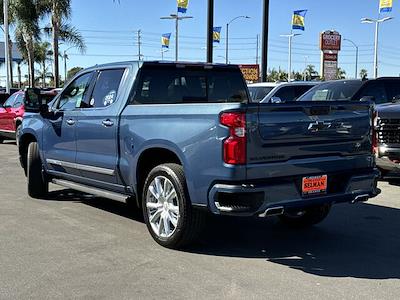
(12, 113)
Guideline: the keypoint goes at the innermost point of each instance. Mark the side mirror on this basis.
(32, 100)
(368, 98)
(276, 100)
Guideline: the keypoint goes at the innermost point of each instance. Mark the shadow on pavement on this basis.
(108, 205)
(360, 241)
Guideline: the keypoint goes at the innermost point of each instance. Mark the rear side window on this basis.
(375, 89)
(286, 93)
(259, 93)
(105, 91)
(393, 89)
(174, 85)
(340, 90)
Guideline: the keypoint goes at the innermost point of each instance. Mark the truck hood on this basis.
(389, 110)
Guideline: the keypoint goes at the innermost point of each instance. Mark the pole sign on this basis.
(250, 72)
(330, 45)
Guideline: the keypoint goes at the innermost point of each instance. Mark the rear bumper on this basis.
(253, 199)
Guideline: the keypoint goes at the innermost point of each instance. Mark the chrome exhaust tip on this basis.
(273, 211)
(360, 198)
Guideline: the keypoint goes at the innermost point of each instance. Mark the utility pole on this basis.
(264, 64)
(258, 37)
(139, 37)
(210, 30)
(6, 47)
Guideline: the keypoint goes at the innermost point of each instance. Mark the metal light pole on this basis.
(65, 56)
(264, 51)
(6, 47)
(290, 37)
(355, 46)
(177, 18)
(376, 22)
(227, 35)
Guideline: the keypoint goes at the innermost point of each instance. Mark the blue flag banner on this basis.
(385, 6)
(217, 34)
(183, 6)
(165, 39)
(298, 20)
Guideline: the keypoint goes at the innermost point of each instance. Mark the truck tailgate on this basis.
(303, 132)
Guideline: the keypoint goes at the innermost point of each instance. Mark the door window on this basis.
(10, 101)
(75, 93)
(106, 89)
(19, 101)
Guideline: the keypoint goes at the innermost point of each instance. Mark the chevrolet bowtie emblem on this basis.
(319, 125)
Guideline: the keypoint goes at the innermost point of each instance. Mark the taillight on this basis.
(375, 133)
(235, 144)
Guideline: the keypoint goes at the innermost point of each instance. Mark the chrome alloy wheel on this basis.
(162, 207)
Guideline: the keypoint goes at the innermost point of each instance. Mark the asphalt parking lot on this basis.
(75, 246)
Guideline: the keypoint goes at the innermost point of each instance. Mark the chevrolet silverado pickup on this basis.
(181, 140)
(385, 93)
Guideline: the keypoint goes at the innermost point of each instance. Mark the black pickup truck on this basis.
(385, 92)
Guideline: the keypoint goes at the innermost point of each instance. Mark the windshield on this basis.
(339, 90)
(258, 93)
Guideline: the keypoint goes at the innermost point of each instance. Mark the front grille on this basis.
(388, 131)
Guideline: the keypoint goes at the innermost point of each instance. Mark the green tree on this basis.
(311, 73)
(42, 56)
(340, 73)
(61, 31)
(363, 74)
(73, 71)
(26, 14)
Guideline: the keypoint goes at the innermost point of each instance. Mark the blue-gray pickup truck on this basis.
(181, 140)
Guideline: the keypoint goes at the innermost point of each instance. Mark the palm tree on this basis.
(363, 74)
(310, 72)
(60, 11)
(42, 54)
(340, 73)
(27, 31)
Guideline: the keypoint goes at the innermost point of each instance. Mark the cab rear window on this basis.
(171, 85)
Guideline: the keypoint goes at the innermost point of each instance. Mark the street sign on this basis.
(330, 40)
(250, 72)
(330, 45)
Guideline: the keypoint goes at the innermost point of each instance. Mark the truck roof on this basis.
(157, 63)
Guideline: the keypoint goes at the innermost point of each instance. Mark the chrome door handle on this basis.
(108, 123)
(71, 122)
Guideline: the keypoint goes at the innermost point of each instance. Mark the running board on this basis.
(91, 190)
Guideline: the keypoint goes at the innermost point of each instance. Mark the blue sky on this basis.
(110, 31)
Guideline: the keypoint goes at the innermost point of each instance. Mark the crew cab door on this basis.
(59, 132)
(7, 114)
(97, 128)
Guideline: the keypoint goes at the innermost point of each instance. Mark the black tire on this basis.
(38, 187)
(1, 140)
(306, 217)
(190, 222)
